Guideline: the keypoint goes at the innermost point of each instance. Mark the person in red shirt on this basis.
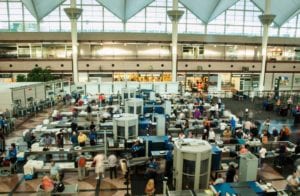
(80, 102)
(101, 98)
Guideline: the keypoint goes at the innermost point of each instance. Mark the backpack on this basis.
(81, 162)
(59, 187)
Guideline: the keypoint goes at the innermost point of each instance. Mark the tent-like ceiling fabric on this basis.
(134, 6)
(207, 10)
(221, 7)
(41, 8)
(125, 9)
(117, 7)
(283, 9)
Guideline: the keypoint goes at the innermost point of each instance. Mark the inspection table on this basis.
(251, 188)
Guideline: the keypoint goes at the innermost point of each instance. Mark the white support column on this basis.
(266, 19)
(74, 13)
(174, 16)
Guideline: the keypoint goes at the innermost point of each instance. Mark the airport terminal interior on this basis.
(150, 97)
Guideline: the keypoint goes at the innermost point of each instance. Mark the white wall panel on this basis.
(106, 88)
(159, 87)
(40, 92)
(268, 81)
(146, 85)
(6, 100)
(172, 87)
(18, 94)
(134, 85)
(92, 88)
(118, 87)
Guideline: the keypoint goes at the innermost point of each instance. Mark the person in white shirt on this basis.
(293, 182)
(219, 180)
(223, 125)
(247, 126)
(99, 165)
(262, 155)
(112, 163)
(211, 135)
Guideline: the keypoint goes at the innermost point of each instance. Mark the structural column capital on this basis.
(73, 13)
(175, 15)
(266, 19)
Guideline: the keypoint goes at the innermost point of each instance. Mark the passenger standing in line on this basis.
(81, 162)
(233, 125)
(12, 154)
(74, 139)
(28, 138)
(99, 165)
(89, 112)
(230, 174)
(82, 138)
(47, 141)
(112, 162)
(93, 137)
(275, 134)
(60, 139)
(2, 142)
(285, 133)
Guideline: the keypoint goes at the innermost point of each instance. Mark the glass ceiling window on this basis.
(91, 19)
(239, 19)
(51, 22)
(137, 22)
(242, 18)
(273, 30)
(289, 28)
(15, 16)
(156, 18)
(30, 24)
(3, 17)
(217, 26)
(298, 26)
(193, 24)
(111, 22)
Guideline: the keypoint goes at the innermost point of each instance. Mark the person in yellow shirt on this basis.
(82, 139)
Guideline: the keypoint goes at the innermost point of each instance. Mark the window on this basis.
(289, 28)
(3, 12)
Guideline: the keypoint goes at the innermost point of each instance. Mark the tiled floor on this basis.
(19, 186)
